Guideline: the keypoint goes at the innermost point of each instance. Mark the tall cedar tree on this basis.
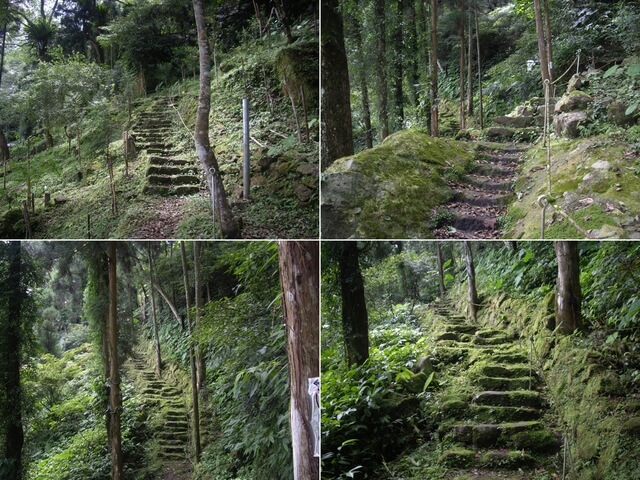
(10, 344)
(197, 285)
(471, 281)
(299, 277)
(115, 401)
(229, 227)
(440, 268)
(355, 28)
(463, 46)
(154, 317)
(542, 43)
(381, 67)
(434, 68)
(337, 134)
(192, 360)
(355, 320)
(568, 291)
(398, 67)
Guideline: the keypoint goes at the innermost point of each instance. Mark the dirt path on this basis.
(167, 217)
(481, 199)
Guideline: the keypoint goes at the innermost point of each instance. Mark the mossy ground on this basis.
(602, 201)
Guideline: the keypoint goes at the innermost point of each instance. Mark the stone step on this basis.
(462, 328)
(155, 145)
(170, 169)
(505, 384)
(161, 152)
(494, 459)
(166, 190)
(488, 184)
(173, 179)
(490, 413)
(177, 424)
(156, 160)
(509, 371)
(495, 168)
(509, 357)
(481, 199)
(497, 340)
(486, 435)
(514, 398)
(173, 448)
(181, 437)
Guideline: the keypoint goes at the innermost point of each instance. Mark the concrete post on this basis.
(245, 121)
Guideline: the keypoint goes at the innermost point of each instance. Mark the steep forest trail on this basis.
(169, 171)
(170, 174)
(494, 420)
(482, 197)
(167, 418)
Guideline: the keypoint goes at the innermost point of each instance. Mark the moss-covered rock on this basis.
(389, 191)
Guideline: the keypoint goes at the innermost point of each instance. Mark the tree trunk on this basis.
(542, 47)
(197, 284)
(549, 42)
(381, 68)
(412, 54)
(480, 104)
(192, 361)
(471, 280)
(282, 16)
(361, 73)
(154, 318)
(463, 64)
(434, 68)
(470, 65)
(115, 402)
(12, 340)
(568, 291)
(299, 276)
(2, 51)
(4, 155)
(398, 67)
(440, 268)
(228, 225)
(170, 304)
(355, 320)
(337, 129)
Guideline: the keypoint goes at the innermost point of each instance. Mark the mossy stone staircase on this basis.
(169, 172)
(169, 406)
(495, 422)
(481, 198)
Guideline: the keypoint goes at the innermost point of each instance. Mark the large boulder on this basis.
(566, 124)
(389, 191)
(573, 101)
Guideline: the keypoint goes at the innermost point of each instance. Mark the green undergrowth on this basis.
(65, 434)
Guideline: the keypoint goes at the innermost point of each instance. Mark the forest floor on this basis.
(482, 196)
(492, 413)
